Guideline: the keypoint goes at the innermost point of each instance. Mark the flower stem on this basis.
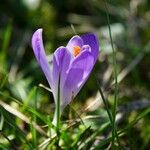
(58, 107)
(57, 114)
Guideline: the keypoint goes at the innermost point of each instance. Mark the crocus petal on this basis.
(38, 48)
(91, 40)
(68, 92)
(77, 76)
(61, 61)
(86, 48)
(74, 41)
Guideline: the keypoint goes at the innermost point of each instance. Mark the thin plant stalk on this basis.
(108, 111)
(116, 83)
(105, 102)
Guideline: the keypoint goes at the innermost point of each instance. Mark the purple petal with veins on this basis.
(61, 61)
(91, 40)
(77, 76)
(38, 48)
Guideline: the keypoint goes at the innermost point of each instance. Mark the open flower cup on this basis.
(71, 67)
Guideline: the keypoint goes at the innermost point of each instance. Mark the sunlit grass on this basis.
(110, 114)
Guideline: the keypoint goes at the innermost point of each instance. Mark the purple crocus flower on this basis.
(71, 66)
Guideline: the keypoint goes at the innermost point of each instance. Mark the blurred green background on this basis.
(20, 73)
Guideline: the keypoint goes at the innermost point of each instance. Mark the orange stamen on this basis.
(76, 50)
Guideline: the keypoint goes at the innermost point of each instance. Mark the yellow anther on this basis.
(76, 50)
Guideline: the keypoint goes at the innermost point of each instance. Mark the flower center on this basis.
(76, 50)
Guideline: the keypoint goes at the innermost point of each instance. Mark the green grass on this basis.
(110, 112)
